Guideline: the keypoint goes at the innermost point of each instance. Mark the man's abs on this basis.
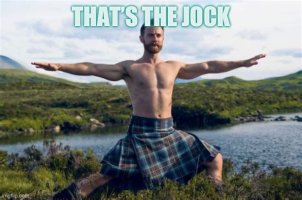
(150, 88)
(152, 104)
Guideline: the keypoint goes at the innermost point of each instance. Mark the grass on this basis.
(38, 178)
(31, 103)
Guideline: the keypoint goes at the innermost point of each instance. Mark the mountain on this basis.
(24, 79)
(178, 80)
(13, 75)
(8, 63)
(288, 82)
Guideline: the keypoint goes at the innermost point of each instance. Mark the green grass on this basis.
(13, 181)
(48, 102)
(41, 178)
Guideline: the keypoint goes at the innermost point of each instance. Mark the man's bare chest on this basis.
(160, 76)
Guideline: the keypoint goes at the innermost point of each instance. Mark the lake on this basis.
(270, 142)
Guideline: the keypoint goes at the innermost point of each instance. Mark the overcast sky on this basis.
(42, 30)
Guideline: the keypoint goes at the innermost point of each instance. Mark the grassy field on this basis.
(30, 103)
(39, 177)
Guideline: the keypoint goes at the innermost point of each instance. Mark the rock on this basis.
(298, 118)
(31, 131)
(95, 124)
(260, 115)
(57, 129)
(280, 118)
(93, 127)
(241, 119)
(78, 117)
(53, 129)
(70, 127)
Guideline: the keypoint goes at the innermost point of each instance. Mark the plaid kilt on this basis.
(153, 151)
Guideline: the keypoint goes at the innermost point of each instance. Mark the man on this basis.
(152, 150)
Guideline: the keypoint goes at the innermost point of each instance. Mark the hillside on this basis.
(24, 79)
(289, 82)
(31, 102)
(15, 76)
(8, 63)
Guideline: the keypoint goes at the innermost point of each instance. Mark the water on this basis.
(276, 143)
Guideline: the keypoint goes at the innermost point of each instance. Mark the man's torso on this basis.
(151, 87)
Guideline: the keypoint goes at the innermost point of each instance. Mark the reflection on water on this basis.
(277, 143)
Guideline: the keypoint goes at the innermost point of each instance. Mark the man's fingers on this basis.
(260, 56)
(46, 66)
(41, 65)
(37, 63)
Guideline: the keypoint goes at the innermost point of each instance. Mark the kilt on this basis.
(154, 151)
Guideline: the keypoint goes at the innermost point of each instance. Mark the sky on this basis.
(43, 30)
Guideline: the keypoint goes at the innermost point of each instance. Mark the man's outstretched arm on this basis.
(113, 72)
(190, 71)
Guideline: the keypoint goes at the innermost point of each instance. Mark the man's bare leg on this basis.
(82, 188)
(214, 169)
(90, 183)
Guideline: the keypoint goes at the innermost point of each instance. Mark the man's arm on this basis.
(190, 71)
(113, 72)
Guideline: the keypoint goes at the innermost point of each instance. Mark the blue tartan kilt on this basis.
(154, 151)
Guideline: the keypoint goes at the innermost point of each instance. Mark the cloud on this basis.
(73, 53)
(198, 53)
(63, 28)
(35, 50)
(194, 43)
(251, 35)
(295, 53)
(43, 30)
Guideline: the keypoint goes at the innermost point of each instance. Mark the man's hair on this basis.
(143, 28)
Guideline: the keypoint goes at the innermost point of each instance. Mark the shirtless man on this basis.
(150, 82)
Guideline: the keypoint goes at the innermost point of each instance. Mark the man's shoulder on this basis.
(175, 63)
(127, 62)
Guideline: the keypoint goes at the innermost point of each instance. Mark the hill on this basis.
(17, 79)
(11, 79)
(290, 82)
(8, 63)
(31, 101)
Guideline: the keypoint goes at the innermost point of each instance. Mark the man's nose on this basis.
(155, 38)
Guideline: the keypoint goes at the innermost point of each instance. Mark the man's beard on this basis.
(153, 48)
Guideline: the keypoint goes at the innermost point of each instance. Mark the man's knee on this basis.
(216, 163)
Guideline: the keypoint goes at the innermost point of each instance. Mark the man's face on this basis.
(153, 39)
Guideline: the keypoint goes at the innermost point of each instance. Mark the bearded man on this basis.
(152, 150)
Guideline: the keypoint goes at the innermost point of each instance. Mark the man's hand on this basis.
(46, 66)
(253, 61)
